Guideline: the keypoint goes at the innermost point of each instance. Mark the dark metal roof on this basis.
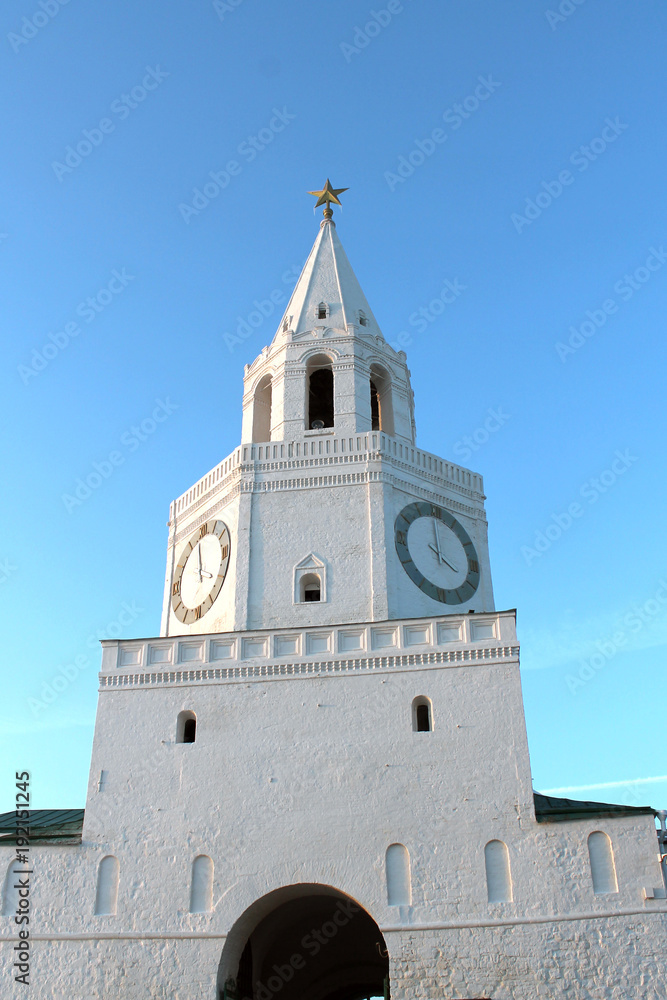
(549, 809)
(47, 826)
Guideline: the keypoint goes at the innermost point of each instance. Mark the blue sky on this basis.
(531, 143)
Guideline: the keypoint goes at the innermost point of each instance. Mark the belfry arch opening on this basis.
(320, 392)
(261, 410)
(304, 942)
(382, 414)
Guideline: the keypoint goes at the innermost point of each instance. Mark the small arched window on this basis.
(382, 413)
(106, 897)
(422, 715)
(311, 587)
(261, 413)
(363, 318)
(322, 310)
(603, 869)
(320, 387)
(498, 876)
(201, 887)
(186, 727)
(399, 882)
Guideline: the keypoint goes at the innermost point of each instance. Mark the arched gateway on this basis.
(304, 942)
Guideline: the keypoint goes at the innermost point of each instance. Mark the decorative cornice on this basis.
(357, 447)
(323, 668)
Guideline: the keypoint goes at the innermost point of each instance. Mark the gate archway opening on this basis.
(304, 942)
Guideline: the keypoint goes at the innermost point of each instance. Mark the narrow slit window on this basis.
(322, 310)
(422, 716)
(186, 727)
(423, 720)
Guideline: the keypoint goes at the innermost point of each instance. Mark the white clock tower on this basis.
(314, 784)
(327, 511)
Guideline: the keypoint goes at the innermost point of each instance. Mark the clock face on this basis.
(437, 553)
(200, 572)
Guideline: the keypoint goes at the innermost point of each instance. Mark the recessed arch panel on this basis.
(399, 880)
(498, 875)
(106, 896)
(603, 867)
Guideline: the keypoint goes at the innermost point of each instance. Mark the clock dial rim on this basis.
(454, 595)
(187, 615)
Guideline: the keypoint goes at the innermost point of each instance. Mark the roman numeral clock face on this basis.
(437, 553)
(200, 572)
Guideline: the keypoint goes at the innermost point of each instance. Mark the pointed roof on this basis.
(328, 278)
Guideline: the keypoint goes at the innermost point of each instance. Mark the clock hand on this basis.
(437, 540)
(199, 559)
(453, 568)
(441, 558)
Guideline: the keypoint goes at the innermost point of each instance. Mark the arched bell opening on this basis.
(304, 942)
(261, 410)
(382, 413)
(320, 392)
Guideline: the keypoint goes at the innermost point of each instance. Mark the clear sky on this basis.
(514, 150)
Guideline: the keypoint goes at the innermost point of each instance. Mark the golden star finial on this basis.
(326, 196)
